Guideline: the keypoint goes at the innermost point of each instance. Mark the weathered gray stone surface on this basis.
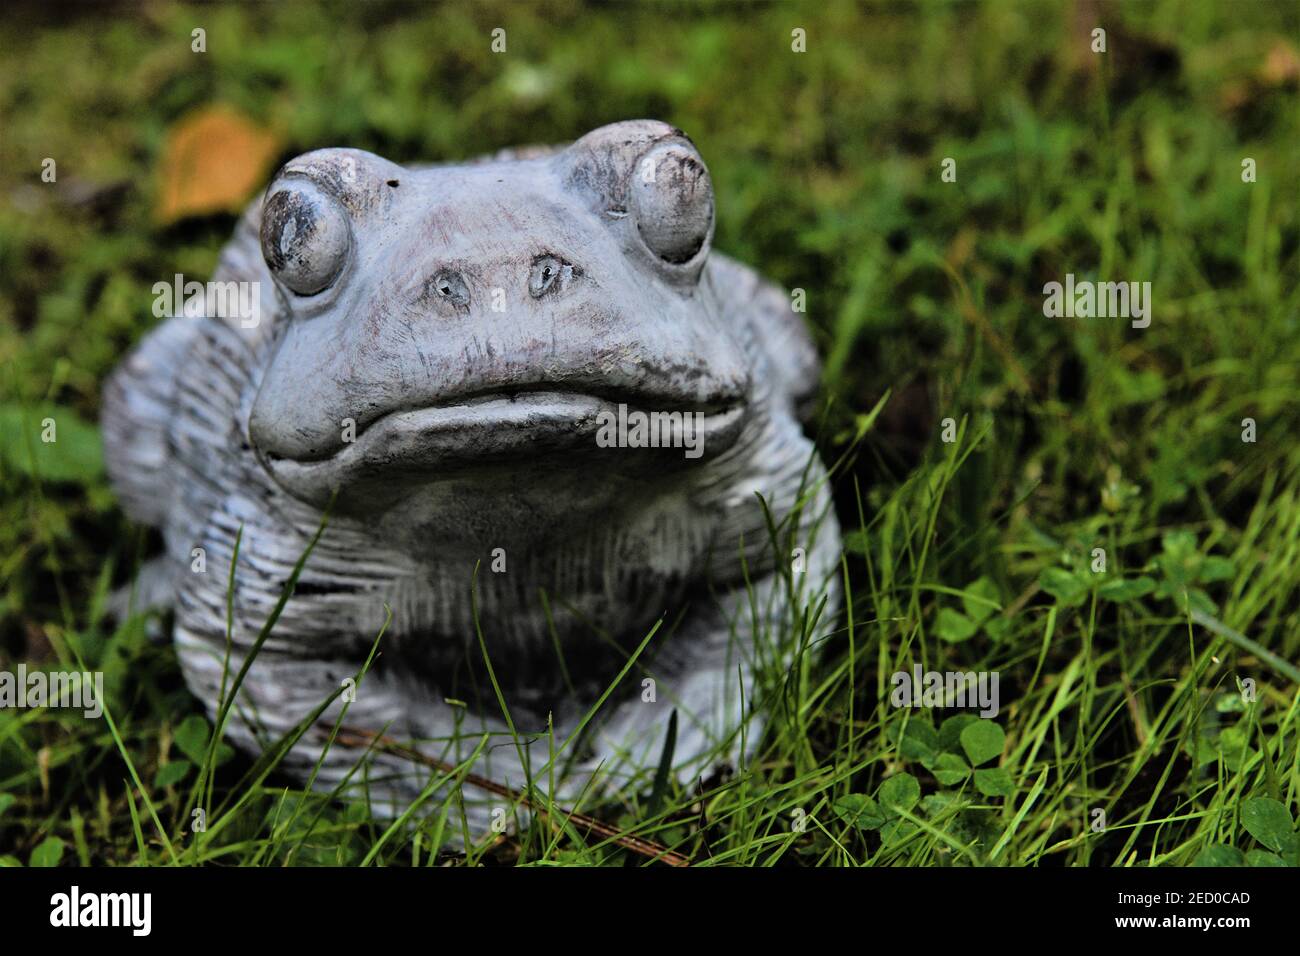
(472, 323)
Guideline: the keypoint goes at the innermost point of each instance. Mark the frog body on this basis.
(454, 361)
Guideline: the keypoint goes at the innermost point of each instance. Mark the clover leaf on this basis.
(982, 740)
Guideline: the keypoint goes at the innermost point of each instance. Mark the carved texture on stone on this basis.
(473, 322)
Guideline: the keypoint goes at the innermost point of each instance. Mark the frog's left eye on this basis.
(548, 272)
(672, 199)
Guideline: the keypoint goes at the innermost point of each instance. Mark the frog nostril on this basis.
(448, 286)
(548, 272)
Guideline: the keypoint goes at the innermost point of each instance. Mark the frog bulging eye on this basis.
(672, 199)
(306, 238)
(548, 272)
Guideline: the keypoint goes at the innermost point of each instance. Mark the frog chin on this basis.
(535, 432)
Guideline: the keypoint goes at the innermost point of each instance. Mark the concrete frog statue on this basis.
(441, 357)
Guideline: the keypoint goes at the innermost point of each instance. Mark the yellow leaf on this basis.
(1281, 66)
(213, 161)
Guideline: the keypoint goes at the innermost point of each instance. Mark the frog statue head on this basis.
(464, 332)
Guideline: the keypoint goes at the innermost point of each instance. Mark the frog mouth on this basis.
(496, 429)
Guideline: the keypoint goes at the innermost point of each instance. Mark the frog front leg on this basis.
(316, 650)
(708, 671)
(280, 691)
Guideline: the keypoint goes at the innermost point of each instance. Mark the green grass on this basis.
(1121, 691)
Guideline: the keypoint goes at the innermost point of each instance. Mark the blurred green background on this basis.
(1125, 165)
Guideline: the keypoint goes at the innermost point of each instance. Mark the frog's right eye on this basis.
(306, 237)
